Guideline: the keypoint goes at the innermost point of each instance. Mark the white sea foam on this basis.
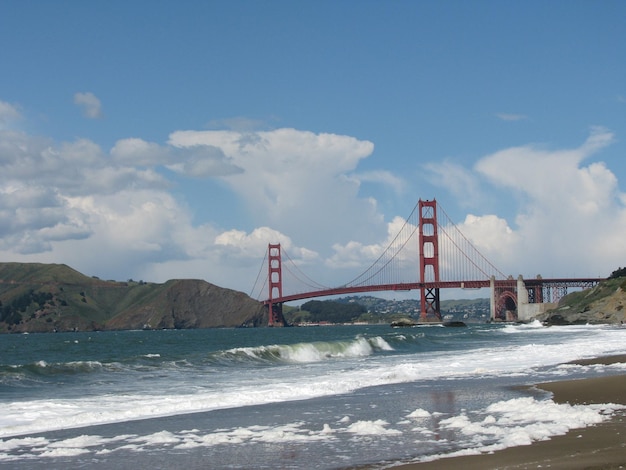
(503, 424)
(419, 414)
(525, 420)
(377, 428)
(381, 344)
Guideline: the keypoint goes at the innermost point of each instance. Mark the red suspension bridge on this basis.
(444, 259)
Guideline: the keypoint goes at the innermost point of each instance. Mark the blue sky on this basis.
(156, 140)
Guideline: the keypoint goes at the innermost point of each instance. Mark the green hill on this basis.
(37, 297)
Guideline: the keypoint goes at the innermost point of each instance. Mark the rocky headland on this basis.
(38, 297)
(602, 304)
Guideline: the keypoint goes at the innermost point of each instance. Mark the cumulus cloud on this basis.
(89, 103)
(569, 213)
(204, 161)
(295, 180)
(138, 152)
(117, 212)
(32, 217)
(463, 183)
(8, 114)
(79, 167)
(383, 177)
(494, 238)
(570, 220)
(106, 212)
(42, 182)
(553, 177)
(355, 254)
(240, 244)
(200, 161)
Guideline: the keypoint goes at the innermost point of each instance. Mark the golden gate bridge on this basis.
(444, 258)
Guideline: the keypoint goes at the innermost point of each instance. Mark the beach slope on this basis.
(602, 446)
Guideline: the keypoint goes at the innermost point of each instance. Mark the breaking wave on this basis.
(306, 352)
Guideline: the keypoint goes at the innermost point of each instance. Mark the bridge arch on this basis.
(506, 306)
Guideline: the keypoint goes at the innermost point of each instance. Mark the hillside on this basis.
(376, 310)
(37, 297)
(601, 304)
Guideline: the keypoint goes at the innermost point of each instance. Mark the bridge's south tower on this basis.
(429, 260)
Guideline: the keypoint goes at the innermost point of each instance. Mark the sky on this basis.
(154, 140)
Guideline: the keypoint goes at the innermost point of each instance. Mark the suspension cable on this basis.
(314, 284)
(258, 276)
(483, 258)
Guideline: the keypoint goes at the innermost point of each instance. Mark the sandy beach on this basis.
(602, 446)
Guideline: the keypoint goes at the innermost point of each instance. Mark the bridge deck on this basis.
(498, 283)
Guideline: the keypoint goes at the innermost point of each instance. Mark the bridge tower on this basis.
(429, 260)
(275, 281)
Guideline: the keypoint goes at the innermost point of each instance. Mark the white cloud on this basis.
(493, 238)
(138, 152)
(111, 213)
(89, 103)
(570, 222)
(382, 177)
(199, 161)
(569, 214)
(464, 184)
(76, 168)
(242, 245)
(237, 244)
(204, 161)
(32, 217)
(295, 180)
(114, 213)
(128, 230)
(8, 114)
(355, 254)
(552, 176)
(41, 184)
(511, 116)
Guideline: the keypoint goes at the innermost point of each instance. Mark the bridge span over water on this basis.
(445, 258)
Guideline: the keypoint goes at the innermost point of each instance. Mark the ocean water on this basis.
(290, 398)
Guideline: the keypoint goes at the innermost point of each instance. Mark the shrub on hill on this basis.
(333, 312)
(619, 272)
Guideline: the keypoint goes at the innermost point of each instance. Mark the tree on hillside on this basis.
(333, 312)
(619, 272)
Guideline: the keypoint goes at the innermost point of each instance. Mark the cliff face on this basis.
(40, 298)
(603, 304)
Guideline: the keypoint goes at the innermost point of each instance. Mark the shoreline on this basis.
(601, 446)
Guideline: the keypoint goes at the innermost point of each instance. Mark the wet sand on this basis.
(602, 446)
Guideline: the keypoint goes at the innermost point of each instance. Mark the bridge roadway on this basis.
(498, 284)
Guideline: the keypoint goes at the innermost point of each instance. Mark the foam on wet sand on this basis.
(598, 446)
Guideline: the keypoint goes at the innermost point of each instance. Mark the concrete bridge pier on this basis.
(527, 311)
(492, 298)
